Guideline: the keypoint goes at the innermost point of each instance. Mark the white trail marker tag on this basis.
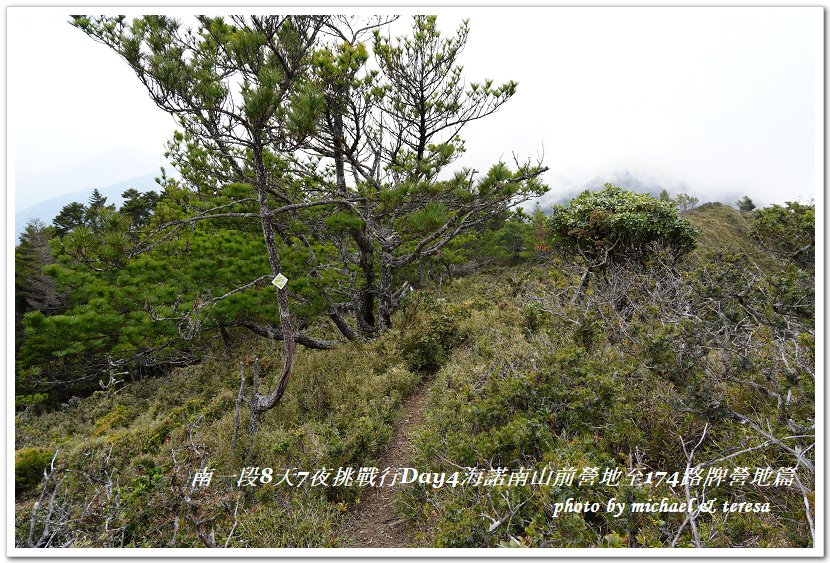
(280, 281)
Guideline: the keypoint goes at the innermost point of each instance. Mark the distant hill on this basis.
(34, 186)
(562, 190)
(46, 210)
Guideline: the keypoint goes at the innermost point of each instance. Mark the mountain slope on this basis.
(523, 377)
(722, 227)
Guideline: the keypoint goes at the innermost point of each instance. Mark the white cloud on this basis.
(720, 99)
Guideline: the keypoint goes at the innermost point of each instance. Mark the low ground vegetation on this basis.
(716, 350)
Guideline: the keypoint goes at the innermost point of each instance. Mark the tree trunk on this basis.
(226, 339)
(341, 324)
(262, 403)
(386, 307)
(364, 305)
(253, 402)
(583, 286)
(237, 413)
(365, 301)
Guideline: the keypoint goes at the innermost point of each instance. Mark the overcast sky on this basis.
(716, 101)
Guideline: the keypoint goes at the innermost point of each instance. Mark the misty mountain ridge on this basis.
(47, 210)
(564, 189)
(106, 169)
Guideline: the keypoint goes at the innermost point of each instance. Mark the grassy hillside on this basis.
(517, 375)
(338, 412)
(722, 227)
(625, 380)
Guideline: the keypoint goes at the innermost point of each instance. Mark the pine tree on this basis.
(96, 205)
(685, 202)
(33, 289)
(275, 115)
(232, 96)
(96, 200)
(395, 132)
(71, 215)
(745, 204)
(139, 206)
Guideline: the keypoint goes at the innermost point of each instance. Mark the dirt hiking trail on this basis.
(374, 522)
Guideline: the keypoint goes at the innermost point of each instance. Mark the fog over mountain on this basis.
(46, 210)
(117, 165)
(734, 115)
(564, 188)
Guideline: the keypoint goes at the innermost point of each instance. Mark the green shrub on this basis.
(617, 225)
(29, 464)
(301, 520)
(429, 340)
(22, 402)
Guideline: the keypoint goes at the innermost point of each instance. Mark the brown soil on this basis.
(375, 522)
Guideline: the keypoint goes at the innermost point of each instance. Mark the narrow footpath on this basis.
(374, 522)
